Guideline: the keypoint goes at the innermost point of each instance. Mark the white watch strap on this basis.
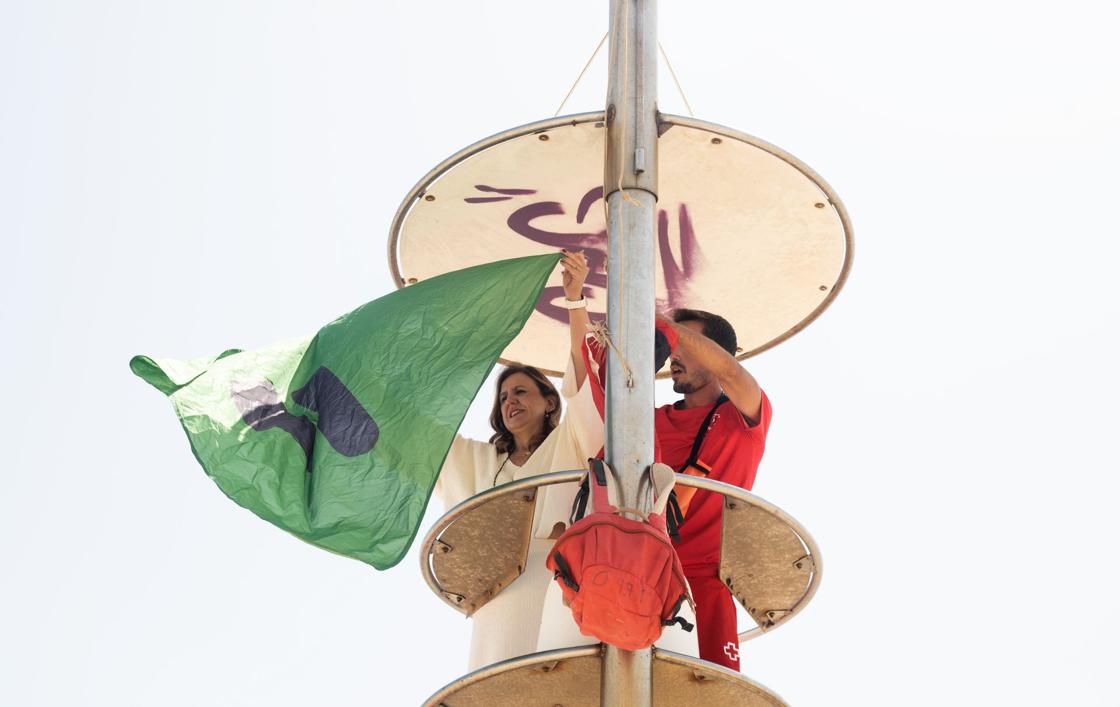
(575, 304)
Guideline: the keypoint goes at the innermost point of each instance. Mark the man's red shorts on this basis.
(716, 627)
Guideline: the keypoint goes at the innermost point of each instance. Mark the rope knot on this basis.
(603, 337)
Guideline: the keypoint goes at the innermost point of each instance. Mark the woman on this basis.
(531, 437)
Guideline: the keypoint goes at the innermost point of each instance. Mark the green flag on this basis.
(338, 438)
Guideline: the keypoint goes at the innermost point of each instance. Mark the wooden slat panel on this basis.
(483, 551)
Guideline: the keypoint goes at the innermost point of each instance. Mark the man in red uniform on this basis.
(705, 371)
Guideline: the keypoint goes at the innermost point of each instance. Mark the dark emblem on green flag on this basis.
(342, 419)
(343, 422)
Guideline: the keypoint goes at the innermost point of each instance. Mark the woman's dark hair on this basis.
(503, 438)
(715, 327)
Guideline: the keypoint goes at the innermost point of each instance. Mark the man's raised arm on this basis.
(739, 385)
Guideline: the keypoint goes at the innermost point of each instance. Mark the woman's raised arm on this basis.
(575, 274)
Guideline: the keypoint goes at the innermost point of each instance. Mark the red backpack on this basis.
(621, 578)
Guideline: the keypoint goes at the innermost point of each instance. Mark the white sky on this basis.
(177, 178)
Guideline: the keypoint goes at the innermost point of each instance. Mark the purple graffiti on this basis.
(521, 223)
(508, 192)
(594, 245)
(677, 276)
(585, 203)
(485, 199)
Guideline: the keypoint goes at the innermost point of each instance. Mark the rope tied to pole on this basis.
(603, 336)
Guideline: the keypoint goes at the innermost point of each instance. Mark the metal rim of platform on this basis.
(561, 477)
(542, 126)
(545, 658)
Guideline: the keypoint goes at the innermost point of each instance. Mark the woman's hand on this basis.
(575, 273)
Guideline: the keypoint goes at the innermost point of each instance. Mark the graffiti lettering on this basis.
(677, 275)
(509, 194)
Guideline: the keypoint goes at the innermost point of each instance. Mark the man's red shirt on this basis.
(732, 450)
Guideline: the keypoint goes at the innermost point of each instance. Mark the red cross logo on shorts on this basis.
(731, 651)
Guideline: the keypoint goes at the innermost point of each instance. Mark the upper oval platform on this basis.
(743, 228)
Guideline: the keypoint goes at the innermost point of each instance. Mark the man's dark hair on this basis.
(715, 327)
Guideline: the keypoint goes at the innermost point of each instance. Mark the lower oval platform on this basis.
(768, 561)
(571, 677)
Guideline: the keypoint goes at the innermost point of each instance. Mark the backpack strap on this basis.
(663, 479)
(597, 479)
(661, 476)
(564, 572)
(674, 518)
(698, 442)
(675, 617)
(579, 504)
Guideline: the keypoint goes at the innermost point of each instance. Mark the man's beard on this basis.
(684, 386)
(692, 382)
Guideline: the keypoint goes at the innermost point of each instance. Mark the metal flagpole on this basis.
(630, 187)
